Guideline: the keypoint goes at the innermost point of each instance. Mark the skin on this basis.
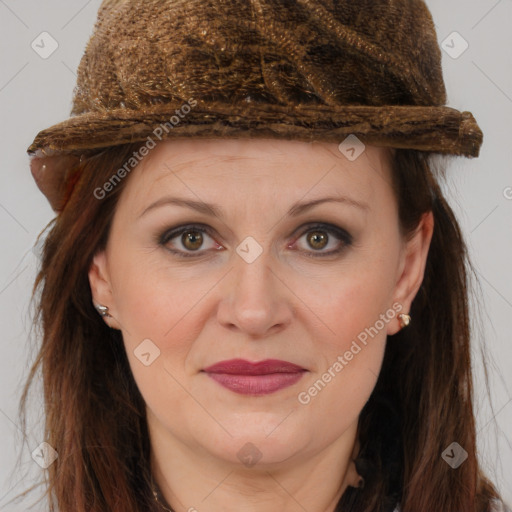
(286, 304)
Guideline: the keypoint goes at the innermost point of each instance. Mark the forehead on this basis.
(221, 167)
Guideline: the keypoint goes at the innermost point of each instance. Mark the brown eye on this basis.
(317, 239)
(189, 241)
(192, 240)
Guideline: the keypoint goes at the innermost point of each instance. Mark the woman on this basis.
(253, 270)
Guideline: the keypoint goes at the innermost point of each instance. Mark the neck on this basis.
(190, 480)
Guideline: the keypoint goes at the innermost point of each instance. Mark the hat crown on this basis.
(310, 70)
(370, 52)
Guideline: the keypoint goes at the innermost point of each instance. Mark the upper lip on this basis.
(243, 367)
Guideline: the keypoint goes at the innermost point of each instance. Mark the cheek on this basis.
(354, 299)
(357, 314)
(159, 317)
(357, 308)
(155, 304)
(152, 298)
(351, 358)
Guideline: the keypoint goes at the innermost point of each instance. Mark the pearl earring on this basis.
(103, 310)
(405, 320)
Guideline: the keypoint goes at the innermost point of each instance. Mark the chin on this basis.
(252, 445)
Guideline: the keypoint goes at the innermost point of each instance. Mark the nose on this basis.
(255, 301)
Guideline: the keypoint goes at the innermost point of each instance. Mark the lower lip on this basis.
(256, 384)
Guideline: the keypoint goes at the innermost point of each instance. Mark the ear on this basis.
(101, 289)
(412, 267)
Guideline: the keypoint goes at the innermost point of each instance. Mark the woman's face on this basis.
(301, 262)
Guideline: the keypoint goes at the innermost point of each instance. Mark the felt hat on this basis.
(311, 70)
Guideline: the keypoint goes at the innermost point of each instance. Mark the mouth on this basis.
(260, 378)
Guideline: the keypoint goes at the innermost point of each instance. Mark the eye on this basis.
(320, 236)
(190, 239)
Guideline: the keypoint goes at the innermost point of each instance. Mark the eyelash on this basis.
(346, 239)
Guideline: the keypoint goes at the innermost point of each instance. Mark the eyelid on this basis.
(326, 226)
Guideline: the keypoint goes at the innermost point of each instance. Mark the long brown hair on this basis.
(95, 415)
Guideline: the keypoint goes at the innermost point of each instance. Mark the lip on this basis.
(258, 378)
(243, 367)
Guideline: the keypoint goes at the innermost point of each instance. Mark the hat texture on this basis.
(303, 69)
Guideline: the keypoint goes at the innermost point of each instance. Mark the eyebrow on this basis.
(215, 211)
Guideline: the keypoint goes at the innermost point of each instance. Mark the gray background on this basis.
(36, 93)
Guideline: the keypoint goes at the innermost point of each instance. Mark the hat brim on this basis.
(56, 151)
(440, 129)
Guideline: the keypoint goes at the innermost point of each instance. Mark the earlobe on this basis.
(101, 289)
(413, 268)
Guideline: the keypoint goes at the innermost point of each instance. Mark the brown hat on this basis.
(304, 69)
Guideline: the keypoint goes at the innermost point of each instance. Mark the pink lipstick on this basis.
(259, 378)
